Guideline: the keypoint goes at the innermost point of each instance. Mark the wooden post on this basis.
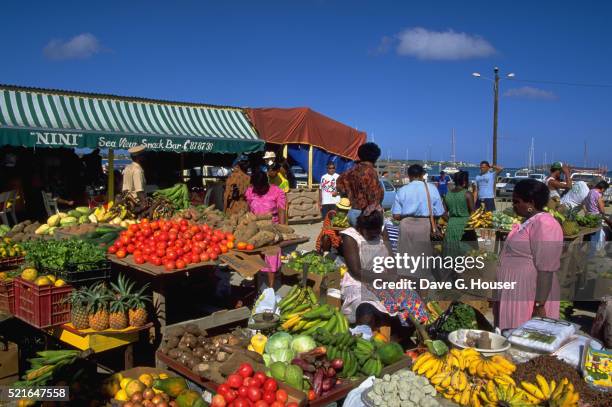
(286, 151)
(110, 196)
(310, 151)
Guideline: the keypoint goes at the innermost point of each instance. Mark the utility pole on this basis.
(495, 103)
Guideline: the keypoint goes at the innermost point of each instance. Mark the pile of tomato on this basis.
(172, 244)
(246, 388)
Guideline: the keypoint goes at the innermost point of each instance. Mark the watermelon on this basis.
(390, 353)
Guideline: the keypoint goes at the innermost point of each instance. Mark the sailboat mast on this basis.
(453, 147)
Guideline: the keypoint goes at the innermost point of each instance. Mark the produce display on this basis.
(4, 229)
(203, 355)
(31, 274)
(43, 367)
(245, 388)
(100, 308)
(314, 263)
(178, 195)
(340, 220)
(462, 316)
(402, 389)
(480, 218)
(301, 313)
(67, 254)
(552, 369)
(589, 220)
(503, 221)
(572, 220)
(24, 231)
(173, 244)
(10, 249)
(154, 390)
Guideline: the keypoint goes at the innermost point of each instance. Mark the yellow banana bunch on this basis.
(490, 368)
(428, 364)
(494, 394)
(551, 393)
(480, 218)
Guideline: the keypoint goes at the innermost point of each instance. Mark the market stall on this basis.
(311, 140)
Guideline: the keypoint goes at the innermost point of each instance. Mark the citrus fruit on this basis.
(29, 274)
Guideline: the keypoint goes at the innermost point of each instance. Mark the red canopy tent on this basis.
(302, 125)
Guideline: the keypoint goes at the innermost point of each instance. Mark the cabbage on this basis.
(280, 340)
(303, 343)
(282, 355)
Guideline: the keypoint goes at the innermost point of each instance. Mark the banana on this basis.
(533, 390)
(421, 360)
(465, 397)
(544, 386)
(504, 380)
(491, 392)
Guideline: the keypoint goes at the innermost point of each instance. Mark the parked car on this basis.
(300, 174)
(389, 197)
(501, 183)
(539, 177)
(508, 189)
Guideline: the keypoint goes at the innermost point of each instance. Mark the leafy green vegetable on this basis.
(315, 263)
(303, 343)
(63, 254)
(461, 317)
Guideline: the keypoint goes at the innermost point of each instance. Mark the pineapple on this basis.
(119, 304)
(570, 226)
(138, 312)
(97, 308)
(78, 308)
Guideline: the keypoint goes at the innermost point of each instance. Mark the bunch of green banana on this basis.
(301, 313)
(43, 367)
(358, 354)
(178, 195)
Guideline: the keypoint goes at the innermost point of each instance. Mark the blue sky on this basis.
(401, 71)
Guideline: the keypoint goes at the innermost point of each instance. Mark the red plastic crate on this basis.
(42, 306)
(7, 297)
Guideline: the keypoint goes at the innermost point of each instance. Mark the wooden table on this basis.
(158, 277)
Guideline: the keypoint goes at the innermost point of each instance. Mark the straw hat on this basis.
(344, 204)
(269, 155)
(136, 150)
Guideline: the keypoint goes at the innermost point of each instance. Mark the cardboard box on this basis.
(9, 363)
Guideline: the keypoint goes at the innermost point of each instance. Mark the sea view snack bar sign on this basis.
(58, 139)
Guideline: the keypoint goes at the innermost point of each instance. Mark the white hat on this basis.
(136, 150)
(269, 154)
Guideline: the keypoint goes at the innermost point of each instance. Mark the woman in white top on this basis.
(554, 183)
(362, 304)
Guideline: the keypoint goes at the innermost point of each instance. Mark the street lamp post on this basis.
(495, 109)
(495, 81)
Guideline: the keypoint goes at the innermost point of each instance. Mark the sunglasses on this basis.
(331, 168)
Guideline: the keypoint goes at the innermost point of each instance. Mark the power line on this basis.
(587, 85)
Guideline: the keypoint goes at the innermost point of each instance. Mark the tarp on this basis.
(320, 158)
(305, 126)
(32, 117)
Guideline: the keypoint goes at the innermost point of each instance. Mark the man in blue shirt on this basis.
(485, 186)
(411, 208)
(442, 183)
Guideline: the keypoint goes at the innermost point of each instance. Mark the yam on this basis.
(245, 232)
(267, 216)
(284, 229)
(18, 228)
(262, 238)
(270, 227)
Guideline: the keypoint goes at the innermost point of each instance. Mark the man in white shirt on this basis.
(328, 195)
(133, 175)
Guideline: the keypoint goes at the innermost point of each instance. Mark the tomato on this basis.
(234, 381)
(180, 264)
(261, 377)
(213, 256)
(160, 252)
(112, 249)
(156, 260)
(243, 392)
(245, 370)
(224, 249)
(292, 404)
(277, 404)
(250, 247)
(269, 385)
(269, 397)
(187, 259)
(261, 403)
(121, 253)
(230, 395)
(214, 238)
(169, 265)
(230, 245)
(217, 249)
(229, 237)
(248, 381)
(241, 402)
(254, 394)
(171, 254)
(281, 395)
(179, 251)
(311, 395)
(218, 401)
(195, 258)
(204, 257)
(241, 246)
(139, 259)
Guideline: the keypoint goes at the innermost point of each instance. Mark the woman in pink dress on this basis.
(530, 258)
(263, 199)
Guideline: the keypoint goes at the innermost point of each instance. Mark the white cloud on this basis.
(78, 47)
(529, 92)
(424, 44)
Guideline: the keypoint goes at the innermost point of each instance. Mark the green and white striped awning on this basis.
(45, 118)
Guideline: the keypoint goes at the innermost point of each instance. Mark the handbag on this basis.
(436, 234)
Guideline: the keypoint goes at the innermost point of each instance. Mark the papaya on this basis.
(190, 398)
(172, 386)
(390, 353)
